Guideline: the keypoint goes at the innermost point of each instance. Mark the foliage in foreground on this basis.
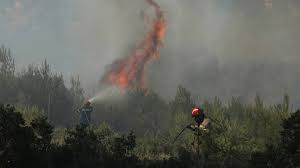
(33, 145)
(24, 145)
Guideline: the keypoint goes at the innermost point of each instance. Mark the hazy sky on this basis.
(213, 47)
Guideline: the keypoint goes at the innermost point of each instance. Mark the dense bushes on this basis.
(237, 131)
(287, 152)
(229, 143)
(22, 145)
(30, 146)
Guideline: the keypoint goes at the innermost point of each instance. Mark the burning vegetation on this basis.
(129, 72)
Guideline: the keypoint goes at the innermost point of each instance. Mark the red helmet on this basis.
(196, 111)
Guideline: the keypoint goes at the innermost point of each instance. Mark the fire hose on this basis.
(175, 139)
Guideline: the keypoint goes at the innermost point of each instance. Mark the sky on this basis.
(213, 47)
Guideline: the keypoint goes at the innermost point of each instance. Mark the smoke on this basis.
(102, 32)
(230, 48)
(212, 47)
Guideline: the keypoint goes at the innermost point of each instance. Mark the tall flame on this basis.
(129, 71)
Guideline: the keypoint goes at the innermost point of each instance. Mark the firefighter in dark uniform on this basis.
(85, 114)
(201, 121)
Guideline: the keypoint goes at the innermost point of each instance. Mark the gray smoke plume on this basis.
(212, 47)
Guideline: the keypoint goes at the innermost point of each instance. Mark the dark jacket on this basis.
(200, 118)
(85, 115)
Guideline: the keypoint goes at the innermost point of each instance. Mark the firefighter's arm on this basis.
(192, 127)
(195, 127)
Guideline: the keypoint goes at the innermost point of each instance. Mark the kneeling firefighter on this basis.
(202, 122)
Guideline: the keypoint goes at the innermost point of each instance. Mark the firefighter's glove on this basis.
(203, 128)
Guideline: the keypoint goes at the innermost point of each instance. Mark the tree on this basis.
(287, 153)
(21, 145)
(290, 140)
(48, 92)
(83, 147)
(77, 94)
(122, 151)
(90, 147)
(180, 108)
(29, 113)
(7, 63)
(135, 110)
(182, 102)
(8, 87)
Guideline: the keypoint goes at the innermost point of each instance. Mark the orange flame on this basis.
(129, 72)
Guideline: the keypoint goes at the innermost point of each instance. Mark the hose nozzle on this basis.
(88, 103)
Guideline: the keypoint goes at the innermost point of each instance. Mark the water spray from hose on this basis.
(111, 92)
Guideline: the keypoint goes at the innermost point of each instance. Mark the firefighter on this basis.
(85, 114)
(202, 124)
(200, 119)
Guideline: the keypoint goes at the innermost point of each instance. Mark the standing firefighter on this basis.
(200, 119)
(200, 130)
(85, 114)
